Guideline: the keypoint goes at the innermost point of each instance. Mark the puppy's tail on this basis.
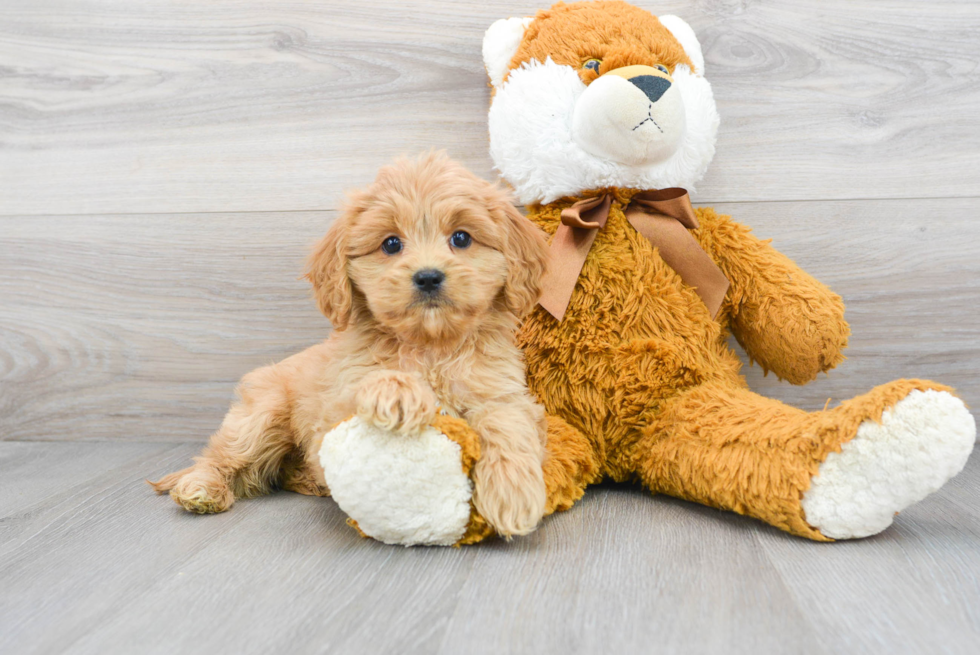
(168, 482)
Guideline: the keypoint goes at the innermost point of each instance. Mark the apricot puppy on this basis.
(424, 276)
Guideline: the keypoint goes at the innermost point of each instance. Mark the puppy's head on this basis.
(427, 251)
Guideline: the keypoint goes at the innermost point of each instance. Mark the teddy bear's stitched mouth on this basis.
(648, 118)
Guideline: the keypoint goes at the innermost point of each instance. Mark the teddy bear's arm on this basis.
(786, 320)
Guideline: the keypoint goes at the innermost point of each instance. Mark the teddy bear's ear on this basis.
(685, 35)
(500, 43)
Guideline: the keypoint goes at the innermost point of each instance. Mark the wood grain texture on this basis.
(38, 479)
(240, 105)
(164, 167)
(901, 581)
(99, 564)
(138, 327)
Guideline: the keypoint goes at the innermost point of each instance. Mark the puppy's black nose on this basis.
(651, 85)
(428, 280)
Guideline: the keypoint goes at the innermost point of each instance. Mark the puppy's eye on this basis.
(460, 239)
(391, 245)
(592, 64)
(662, 69)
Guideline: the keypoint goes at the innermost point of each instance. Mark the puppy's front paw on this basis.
(203, 492)
(396, 401)
(510, 494)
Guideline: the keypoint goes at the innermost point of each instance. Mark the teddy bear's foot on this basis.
(920, 443)
(407, 489)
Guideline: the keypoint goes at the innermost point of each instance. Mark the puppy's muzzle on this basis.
(428, 281)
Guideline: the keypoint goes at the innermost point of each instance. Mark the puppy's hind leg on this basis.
(243, 458)
(303, 476)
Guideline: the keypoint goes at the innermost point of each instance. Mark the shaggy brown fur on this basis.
(615, 33)
(396, 354)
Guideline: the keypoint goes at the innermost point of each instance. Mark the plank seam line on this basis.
(122, 440)
(335, 210)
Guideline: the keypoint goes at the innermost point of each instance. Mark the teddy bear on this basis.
(602, 121)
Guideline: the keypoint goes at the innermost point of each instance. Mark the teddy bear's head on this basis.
(597, 94)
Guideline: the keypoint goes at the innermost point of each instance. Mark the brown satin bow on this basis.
(662, 216)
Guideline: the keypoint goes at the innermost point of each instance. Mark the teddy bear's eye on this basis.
(592, 65)
(391, 245)
(662, 69)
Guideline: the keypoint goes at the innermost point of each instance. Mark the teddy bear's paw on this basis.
(920, 443)
(400, 489)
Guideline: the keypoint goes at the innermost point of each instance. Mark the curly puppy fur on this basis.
(397, 355)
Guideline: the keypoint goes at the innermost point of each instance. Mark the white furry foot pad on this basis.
(921, 442)
(404, 489)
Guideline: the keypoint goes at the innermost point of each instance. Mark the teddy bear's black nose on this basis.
(651, 85)
(428, 280)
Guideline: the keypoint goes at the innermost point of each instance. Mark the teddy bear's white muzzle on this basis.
(634, 122)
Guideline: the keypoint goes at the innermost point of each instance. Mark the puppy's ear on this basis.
(526, 250)
(326, 267)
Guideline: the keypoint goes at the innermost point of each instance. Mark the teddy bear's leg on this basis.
(571, 464)
(833, 474)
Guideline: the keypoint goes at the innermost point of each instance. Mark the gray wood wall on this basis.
(164, 167)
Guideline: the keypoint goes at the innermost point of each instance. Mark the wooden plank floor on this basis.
(91, 562)
(164, 167)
